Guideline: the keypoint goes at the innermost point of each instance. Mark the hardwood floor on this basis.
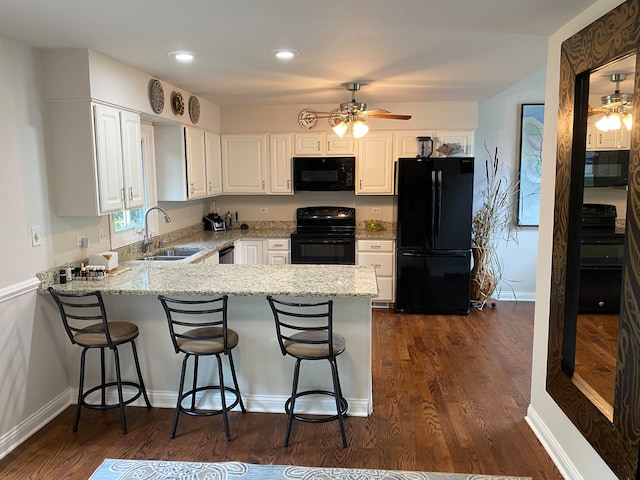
(450, 395)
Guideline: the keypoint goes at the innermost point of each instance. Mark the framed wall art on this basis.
(531, 126)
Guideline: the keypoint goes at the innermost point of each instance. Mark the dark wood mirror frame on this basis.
(615, 35)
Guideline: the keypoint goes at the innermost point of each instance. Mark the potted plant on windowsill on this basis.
(492, 222)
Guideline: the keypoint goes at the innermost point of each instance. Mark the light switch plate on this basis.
(36, 236)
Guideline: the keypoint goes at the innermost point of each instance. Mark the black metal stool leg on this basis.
(235, 382)
(180, 390)
(137, 362)
(76, 420)
(103, 377)
(195, 381)
(223, 398)
(292, 400)
(337, 391)
(123, 420)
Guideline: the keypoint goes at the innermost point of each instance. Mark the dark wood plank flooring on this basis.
(450, 395)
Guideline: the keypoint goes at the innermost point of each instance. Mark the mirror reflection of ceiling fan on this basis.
(351, 113)
(615, 107)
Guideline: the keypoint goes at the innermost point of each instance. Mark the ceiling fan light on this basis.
(614, 122)
(340, 129)
(628, 121)
(359, 129)
(603, 124)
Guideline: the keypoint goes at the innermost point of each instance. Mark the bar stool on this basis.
(199, 328)
(79, 309)
(305, 331)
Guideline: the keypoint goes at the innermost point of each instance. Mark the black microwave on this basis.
(606, 168)
(324, 173)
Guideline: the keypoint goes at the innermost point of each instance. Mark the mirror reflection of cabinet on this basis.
(611, 424)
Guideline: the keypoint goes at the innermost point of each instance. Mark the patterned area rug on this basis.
(161, 470)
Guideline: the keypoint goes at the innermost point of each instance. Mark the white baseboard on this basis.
(555, 451)
(35, 422)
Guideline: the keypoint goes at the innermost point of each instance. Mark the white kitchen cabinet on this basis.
(214, 164)
(278, 251)
(379, 254)
(610, 140)
(374, 165)
(280, 164)
(187, 162)
(244, 164)
(96, 159)
(405, 144)
(323, 144)
(462, 138)
(213, 259)
(249, 252)
(196, 160)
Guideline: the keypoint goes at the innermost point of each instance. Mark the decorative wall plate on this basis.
(177, 103)
(307, 119)
(156, 96)
(194, 109)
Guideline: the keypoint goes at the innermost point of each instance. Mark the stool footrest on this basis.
(107, 406)
(207, 413)
(344, 406)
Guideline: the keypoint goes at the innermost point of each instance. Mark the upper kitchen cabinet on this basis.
(374, 164)
(611, 140)
(280, 164)
(187, 162)
(453, 143)
(96, 158)
(405, 144)
(244, 164)
(323, 144)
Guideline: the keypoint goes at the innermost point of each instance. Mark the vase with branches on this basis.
(492, 222)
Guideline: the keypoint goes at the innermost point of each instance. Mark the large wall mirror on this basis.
(593, 367)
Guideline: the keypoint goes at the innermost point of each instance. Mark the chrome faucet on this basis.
(146, 243)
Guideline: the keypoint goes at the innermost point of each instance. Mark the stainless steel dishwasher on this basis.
(226, 254)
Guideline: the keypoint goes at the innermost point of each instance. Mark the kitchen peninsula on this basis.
(264, 374)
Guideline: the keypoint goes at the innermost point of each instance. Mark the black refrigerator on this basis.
(433, 256)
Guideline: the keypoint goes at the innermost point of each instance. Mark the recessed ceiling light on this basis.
(182, 56)
(285, 53)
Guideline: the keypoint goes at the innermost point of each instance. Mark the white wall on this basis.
(499, 126)
(567, 446)
(32, 363)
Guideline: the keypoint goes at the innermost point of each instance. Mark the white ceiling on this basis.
(405, 50)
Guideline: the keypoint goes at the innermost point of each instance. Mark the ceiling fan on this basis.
(351, 113)
(615, 107)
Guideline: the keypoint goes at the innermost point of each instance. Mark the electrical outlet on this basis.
(376, 210)
(36, 236)
(82, 242)
(263, 210)
(102, 235)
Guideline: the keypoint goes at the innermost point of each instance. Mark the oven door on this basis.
(323, 250)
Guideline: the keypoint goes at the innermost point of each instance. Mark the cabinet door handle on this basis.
(318, 145)
(375, 247)
(262, 184)
(288, 184)
(192, 190)
(122, 194)
(360, 183)
(328, 146)
(131, 194)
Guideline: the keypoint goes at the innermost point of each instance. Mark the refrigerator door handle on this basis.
(438, 205)
(433, 206)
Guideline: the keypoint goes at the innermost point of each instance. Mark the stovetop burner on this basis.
(332, 221)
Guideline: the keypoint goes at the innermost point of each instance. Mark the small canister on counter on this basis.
(62, 276)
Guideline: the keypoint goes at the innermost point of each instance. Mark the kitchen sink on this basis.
(156, 258)
(174, 253)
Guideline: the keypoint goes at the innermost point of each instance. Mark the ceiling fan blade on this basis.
(389, 116)
(374, 111)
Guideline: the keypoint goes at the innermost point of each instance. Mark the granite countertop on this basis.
(178, 278)
(189, 277)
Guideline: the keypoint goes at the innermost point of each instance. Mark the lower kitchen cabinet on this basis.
(213, 259)
(249, 252)
(278, 251)
(379, 254)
